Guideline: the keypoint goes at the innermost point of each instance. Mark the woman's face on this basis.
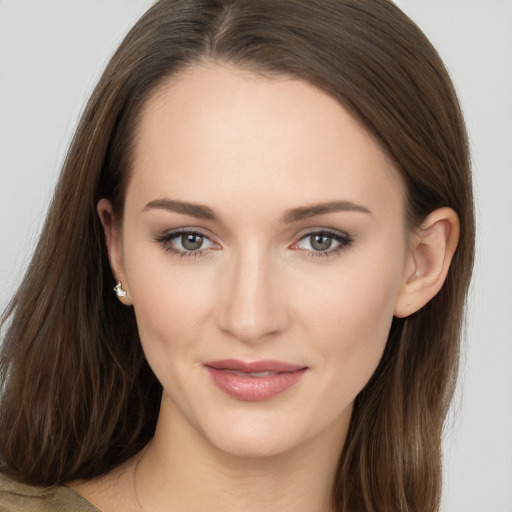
(263, 247)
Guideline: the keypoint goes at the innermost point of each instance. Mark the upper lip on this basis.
(267, 365)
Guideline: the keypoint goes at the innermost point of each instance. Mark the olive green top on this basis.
(16, 497)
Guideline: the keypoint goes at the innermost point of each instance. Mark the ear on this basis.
(431, 251)
(114, 245)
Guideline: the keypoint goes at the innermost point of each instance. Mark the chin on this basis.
(245, 430)
(254, 445)
(271, 433)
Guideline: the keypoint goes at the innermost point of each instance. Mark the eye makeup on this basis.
(186, 242)
(322, 242)
(193, 243)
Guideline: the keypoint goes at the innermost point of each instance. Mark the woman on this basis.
(261, 349)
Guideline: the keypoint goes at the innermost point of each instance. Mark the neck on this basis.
(182, 471)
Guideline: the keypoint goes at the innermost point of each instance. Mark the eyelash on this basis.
(165, 240)
(342, 239)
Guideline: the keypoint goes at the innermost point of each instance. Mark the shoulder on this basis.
(17, 497)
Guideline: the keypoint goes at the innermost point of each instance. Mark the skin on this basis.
(252, 150)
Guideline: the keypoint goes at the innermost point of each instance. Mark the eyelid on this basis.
(344, 240)
(166, 237)
(336, 233)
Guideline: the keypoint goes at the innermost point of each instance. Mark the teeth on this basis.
(255, 374)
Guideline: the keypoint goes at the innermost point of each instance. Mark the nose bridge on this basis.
(252, 307)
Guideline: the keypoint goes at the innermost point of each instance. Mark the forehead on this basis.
(217, 131)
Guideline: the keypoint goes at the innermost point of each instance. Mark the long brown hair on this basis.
(78, 397)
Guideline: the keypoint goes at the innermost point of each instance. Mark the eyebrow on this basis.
(193, 209)
(305, 212)
(294, 215)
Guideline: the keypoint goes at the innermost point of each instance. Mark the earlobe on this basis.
(432, 248)
(114, 248)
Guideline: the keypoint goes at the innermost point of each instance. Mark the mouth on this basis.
(254, 381)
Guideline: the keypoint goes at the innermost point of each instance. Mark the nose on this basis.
(252, 306)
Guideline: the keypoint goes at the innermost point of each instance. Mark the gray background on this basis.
(51, 54)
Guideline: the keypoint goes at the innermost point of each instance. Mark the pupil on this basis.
(321, 242)
(192, 242)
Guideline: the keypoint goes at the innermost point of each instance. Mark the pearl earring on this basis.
(118, 288)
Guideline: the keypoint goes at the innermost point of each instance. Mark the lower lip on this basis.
(254, 389)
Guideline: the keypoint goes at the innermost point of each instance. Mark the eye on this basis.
(323, 243)
(190, 241)
(185, 243)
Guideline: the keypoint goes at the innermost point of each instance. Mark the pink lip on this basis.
(233, 378)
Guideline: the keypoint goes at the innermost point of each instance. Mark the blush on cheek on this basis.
(170, 307)
(358, 323)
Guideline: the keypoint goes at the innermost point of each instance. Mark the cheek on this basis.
(351, 322)
(169, 300)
